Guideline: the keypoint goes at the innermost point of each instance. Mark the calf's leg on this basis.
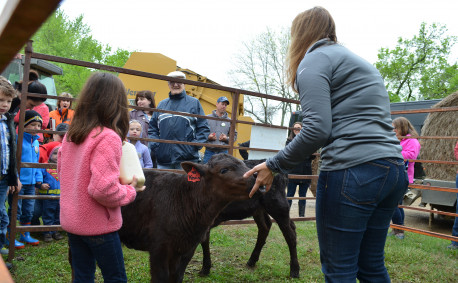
(159, 266)
(280, 213)
(206, 261)
(183, 263)
(264, 223)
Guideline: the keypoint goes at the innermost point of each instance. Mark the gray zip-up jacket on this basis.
(346, 111)
(219, 127)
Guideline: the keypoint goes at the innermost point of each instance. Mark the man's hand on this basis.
(212, 137)
(223, 138)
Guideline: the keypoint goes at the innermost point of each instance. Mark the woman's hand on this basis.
(134, 184)
(264, 177)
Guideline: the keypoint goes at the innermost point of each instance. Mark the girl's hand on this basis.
(264, 177)
(45, 186)
(134, 184)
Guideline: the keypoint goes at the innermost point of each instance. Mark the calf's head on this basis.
(223, 174)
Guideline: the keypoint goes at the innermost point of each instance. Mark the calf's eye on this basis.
(223, 171)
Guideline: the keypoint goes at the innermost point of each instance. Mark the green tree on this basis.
(419, 68)
(260, 67)
(60, 36)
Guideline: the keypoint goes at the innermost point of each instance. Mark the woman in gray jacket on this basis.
(347, 112)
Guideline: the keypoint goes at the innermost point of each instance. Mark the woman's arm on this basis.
(313, 80)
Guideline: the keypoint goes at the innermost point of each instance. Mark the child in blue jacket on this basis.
(29, 176)
(49, 209)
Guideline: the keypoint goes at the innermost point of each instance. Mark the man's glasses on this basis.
(175, 83)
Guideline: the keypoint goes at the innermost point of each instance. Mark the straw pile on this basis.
(440, 124)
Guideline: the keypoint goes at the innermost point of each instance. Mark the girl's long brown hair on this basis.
(102, 103)
(148, 94)
(307, 28)
(404, 127)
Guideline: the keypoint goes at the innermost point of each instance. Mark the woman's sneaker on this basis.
(452, 247)
(400, 235)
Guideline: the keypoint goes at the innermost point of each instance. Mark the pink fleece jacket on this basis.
(91, 195)
(410, 150)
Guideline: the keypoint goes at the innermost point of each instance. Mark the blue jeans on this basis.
(4, 220)
(354, 207)
(104, 249)
(303, 187)
(25, 207)
(209, 153)
(455, 225)
(48, 210)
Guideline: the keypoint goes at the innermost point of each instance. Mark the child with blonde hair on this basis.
(135, 130)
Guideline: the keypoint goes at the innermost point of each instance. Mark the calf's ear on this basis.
(187, 166)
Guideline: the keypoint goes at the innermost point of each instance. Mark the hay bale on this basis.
(440, 124)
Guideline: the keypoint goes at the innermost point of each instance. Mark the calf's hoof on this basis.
(204, 272)
(294, 272)
(251, 263)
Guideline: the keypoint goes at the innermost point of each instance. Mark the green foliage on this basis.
(414, 259)
(60, 36)
(418, 68)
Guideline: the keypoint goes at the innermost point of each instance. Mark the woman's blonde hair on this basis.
(307, 28)
(102, 103)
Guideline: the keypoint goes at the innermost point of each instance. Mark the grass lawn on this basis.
(417, 258)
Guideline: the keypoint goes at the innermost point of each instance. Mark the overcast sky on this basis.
(204, 35)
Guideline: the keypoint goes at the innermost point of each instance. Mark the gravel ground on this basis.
(414, 219)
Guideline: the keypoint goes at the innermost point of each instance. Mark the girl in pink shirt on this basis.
(88, 167)
(410, 150)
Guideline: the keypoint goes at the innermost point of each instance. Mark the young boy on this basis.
(30, 177)
(49, 209)
(8, 171)
(45, 155)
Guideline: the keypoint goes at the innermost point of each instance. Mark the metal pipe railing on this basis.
(236, 95)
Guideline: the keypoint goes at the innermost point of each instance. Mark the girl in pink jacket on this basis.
(88, 167)
(410, 150)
